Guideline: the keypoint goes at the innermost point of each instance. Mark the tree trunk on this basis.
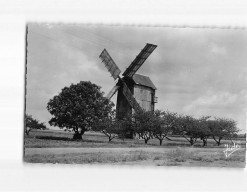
(146, 141)
(219, 141)
(27, 131)
(161, 142)
(83, 130)
(191, 142)
(204, 139)
(77, 135)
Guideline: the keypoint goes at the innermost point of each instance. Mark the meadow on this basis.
(53, 146)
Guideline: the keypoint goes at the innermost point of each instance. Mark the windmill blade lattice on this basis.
(112, 92)
(139, 60)
(110, 64)
(126, 100)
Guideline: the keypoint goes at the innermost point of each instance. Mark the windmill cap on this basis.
(143, 80)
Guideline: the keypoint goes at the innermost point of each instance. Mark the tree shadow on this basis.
(95, 141)
(67, 139)
(55, 138)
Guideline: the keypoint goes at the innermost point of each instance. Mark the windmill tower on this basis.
(135, 92)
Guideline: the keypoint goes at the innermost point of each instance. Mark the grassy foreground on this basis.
(58, 147)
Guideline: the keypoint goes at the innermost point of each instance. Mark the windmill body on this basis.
(135, 92)
(143, 91)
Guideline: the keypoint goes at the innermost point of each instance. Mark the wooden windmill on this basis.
(135, 91)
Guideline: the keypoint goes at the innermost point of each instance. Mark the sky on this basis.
(197, 71)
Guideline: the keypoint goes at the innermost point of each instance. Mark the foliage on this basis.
(144, 123)
(78, 106)
(109, 125)
(82, 106)
(222, 127)
(164, 124)
(32, 123)
(192, 129)
(203, 129)
(127, 127)
(188, 127)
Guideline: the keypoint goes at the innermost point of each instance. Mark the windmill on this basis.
(135, 91)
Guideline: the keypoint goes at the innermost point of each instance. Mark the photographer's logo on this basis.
(230, 149)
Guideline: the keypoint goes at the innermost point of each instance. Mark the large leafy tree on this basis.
(78, 106)
(32, 123)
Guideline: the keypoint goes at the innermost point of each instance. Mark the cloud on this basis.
(217, 49)
(212, 99)
(198, 71)
(213, 103)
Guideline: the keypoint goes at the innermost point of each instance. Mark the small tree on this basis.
(78, 106)
(187, 126)
(144, 123)
(32, 123)
(163, 124)
(109, 126)
(222, 127)
(203, 128)
(126, 127)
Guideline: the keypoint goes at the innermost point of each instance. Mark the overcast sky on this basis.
(196, 71)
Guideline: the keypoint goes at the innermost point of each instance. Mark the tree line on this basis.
(163, 124)
(82, 107)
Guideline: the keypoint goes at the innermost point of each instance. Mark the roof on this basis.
(143, 80)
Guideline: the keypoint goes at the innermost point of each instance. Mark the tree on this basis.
(164, 124)
(78, 106)
(222, 127)
(32, 123)
(126, 127)
(110, 126)
(187, 126)
(144, 123)
(203, 128)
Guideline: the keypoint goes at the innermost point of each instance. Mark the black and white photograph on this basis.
(135, 95)
(123, 96)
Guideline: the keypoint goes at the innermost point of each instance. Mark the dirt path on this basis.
(32, 151)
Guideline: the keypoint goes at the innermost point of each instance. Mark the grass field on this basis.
(58, 147)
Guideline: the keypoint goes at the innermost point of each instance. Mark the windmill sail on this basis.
(112, 92)
(110, 64)
(139, 60)
(130, 98)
